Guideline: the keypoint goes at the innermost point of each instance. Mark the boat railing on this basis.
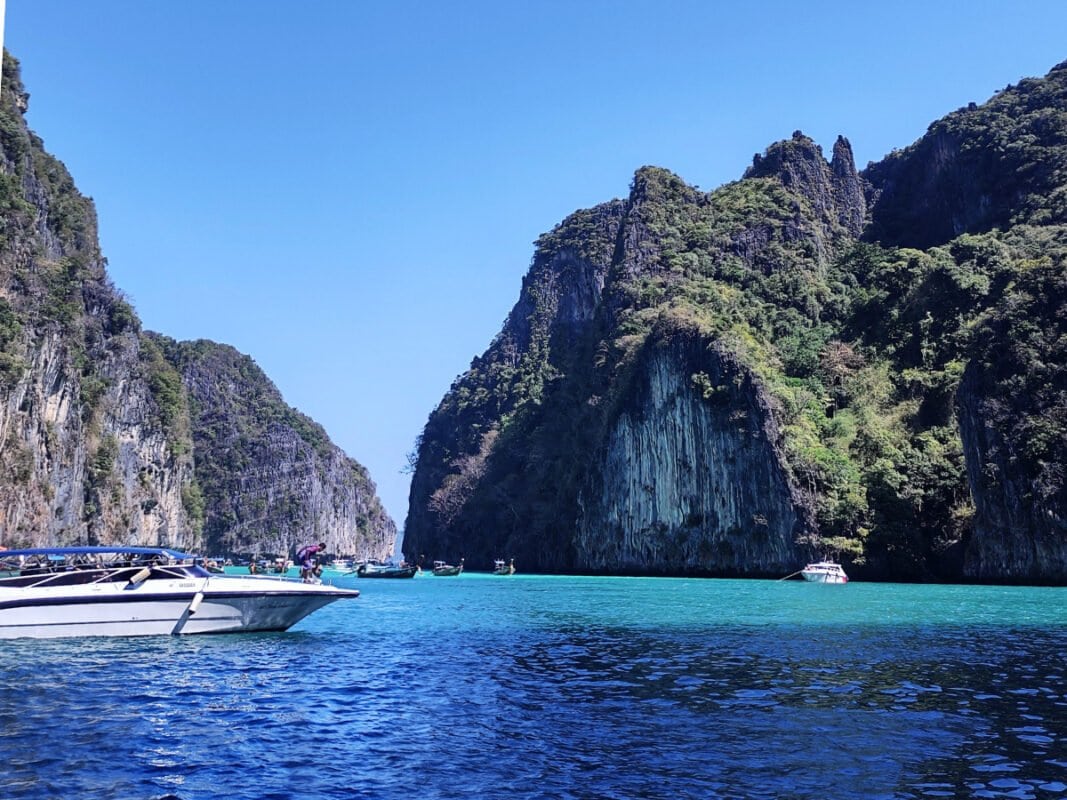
(39, 573)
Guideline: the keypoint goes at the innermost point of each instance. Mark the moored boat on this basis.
(133, 591)
(824, 572)
(443, 569)
(372, 569)
(501, 568)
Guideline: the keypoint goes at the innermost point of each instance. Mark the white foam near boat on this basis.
(824, 572)
(133, 591)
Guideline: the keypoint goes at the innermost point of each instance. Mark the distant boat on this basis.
(500, 568)
(441, 569)
(824, 572)
(372, 569)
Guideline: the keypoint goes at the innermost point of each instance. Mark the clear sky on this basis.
(349, 191)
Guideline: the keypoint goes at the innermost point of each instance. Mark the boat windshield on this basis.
(65, 567)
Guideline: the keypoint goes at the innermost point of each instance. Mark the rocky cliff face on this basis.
(981, 167)
(1012, 405)
(88, 454)
(691, 475)
(271, 478)
(580, 442)
(97, 438)
(559, 304)
(745, 378)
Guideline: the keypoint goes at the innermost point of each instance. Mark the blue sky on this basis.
(349, 191)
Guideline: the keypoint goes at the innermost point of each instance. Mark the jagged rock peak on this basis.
(835, 190)
(658, 184)
(842, 162)
(790, 160)
(848, 188)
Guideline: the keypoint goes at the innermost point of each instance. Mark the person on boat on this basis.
(253, 568)
(306, 556)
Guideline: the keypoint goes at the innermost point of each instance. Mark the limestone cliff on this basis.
(271, 477)
(558, 305)
(691, 476)
(103, 440)
(89, 450)
(577, 442)
(810, 360)
(1012, 405)
(984, 166)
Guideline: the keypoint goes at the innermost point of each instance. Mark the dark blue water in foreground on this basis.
(535, 687)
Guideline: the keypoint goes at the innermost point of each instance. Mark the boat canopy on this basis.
(117, 549)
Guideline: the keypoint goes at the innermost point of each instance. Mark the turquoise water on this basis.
(559, 687)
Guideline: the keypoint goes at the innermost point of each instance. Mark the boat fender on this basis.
(140, 575)
(197, 599)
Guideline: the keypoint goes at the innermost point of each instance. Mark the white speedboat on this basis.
(132, 591)
(824, 572)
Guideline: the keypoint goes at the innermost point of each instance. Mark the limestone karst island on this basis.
(810, 360)
(813, 360)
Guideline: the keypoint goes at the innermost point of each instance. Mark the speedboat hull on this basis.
(819, 577)
(218, 604)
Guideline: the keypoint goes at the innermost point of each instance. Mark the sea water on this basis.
(562, 687)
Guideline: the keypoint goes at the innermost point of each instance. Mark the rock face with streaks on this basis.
(91, 451)
(691, 473)
(274, 478)
(1012, 407)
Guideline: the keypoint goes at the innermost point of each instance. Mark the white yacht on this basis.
(132, 591)
(824, 572)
